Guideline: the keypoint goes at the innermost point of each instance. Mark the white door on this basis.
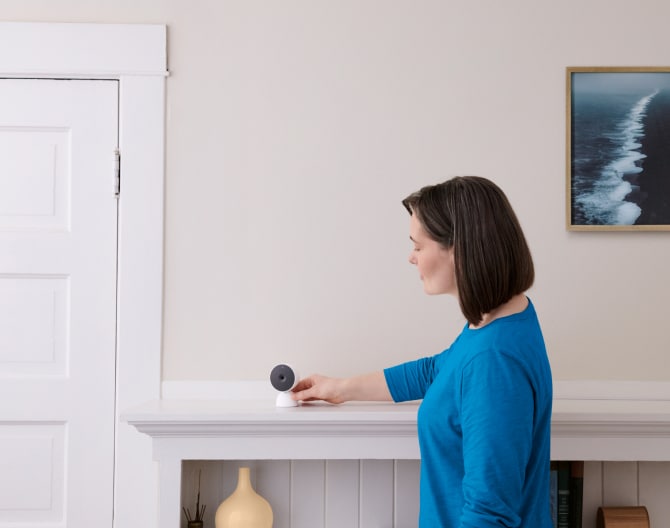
(58, 222)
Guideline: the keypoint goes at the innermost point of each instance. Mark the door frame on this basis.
(135, 55)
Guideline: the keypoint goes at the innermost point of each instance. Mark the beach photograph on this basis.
(618, 148)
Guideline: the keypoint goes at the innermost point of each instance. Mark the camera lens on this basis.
(282, 378)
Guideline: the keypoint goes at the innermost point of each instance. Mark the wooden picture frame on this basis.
(618, 149)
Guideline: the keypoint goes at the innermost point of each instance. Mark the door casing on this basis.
(135, 55)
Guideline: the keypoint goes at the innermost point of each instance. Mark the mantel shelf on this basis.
(224, 418)
(581, 429)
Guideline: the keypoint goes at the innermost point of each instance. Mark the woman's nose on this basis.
(412, 258)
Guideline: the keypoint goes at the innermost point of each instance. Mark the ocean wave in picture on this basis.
(600, 197)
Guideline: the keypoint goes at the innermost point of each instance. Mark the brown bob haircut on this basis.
(491, 257)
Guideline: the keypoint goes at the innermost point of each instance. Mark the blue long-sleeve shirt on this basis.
(484, 426)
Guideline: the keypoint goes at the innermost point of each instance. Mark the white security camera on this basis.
(284, 378)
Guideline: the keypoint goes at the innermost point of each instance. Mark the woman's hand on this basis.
(368, 387)
(317, 387)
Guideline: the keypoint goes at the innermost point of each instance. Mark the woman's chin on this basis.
(427, 290)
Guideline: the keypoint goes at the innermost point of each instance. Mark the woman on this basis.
(484, 423)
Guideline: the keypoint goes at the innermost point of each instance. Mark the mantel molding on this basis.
(259, 418)
(588, 428)
(581, 429)
(615, 429)
(264, 429)
(159, 420)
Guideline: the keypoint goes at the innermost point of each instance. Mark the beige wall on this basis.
(295, 128)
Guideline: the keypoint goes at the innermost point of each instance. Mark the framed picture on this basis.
(618, 149)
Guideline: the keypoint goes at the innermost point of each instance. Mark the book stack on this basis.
(567, 493)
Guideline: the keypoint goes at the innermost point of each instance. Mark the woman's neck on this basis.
(516, 304)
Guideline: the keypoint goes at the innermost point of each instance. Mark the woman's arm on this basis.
(367, 387)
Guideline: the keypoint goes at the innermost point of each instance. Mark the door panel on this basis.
(33, 187)
(57, 301)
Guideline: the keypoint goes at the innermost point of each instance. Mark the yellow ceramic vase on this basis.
(244, 508)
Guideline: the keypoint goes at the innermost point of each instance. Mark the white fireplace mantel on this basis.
(220, 429)
(256, 429)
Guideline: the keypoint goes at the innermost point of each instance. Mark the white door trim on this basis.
(135, 54)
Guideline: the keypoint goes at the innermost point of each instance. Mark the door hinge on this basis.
(117, 173)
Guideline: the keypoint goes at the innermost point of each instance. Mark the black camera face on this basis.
(283, 378)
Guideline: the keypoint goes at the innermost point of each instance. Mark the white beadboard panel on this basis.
(593, 493)
(229, 475)
(307, 493)
(377, 493)
(273, 481)
(342, 493)
(406, 493)
(620, 484)
(654, 490)
(210, 488)
(189, 472)
(32, 480)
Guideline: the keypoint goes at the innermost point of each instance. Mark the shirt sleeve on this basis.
(410, 381)
(497, 424)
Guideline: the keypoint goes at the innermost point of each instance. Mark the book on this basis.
(553, 492)
(566, 493)
(576, 493)
(563, 496)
